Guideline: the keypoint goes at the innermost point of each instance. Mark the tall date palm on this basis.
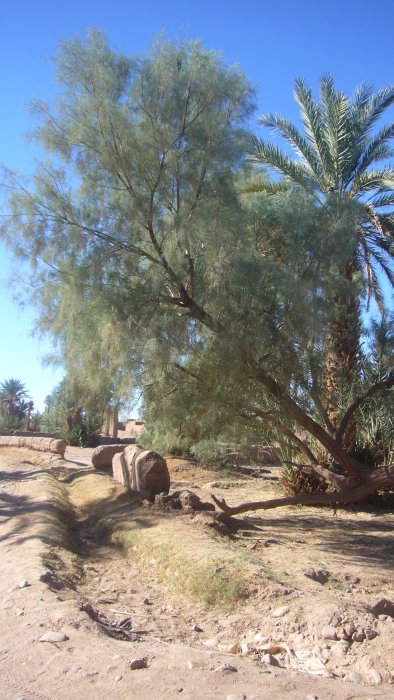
(341, 161)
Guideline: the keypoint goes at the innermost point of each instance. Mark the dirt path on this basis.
(36, 543)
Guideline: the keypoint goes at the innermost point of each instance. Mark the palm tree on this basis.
(12, 399)
(341, 163)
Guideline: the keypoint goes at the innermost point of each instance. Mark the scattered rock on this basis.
(311, 697)
(370, 634)
(383, 607)
(118, 678)
(23, 584)
(147, 601)
(329, 632)
(236, 696)
(183, 500)
(53, 637)
(374, 676)
(342, 634)
(280, 612)
(269, 659)
(320, 575)
(353, 678)
(349, 629)
(196, 628)
(225, 668)
(190, 665)
(234, 648)
(137, 664)
(358, 636)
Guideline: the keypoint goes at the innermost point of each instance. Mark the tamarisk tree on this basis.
(151, 266)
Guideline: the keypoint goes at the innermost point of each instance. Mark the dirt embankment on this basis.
(81, 558)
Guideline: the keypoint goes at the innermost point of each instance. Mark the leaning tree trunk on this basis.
(379, 479)
(342, 345)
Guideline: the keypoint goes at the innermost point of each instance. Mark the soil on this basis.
(277, 634)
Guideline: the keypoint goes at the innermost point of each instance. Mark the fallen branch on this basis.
(379, 480)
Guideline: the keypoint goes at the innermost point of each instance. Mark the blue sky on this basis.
(273, 42)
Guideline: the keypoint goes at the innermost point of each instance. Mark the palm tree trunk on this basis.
(342, 344)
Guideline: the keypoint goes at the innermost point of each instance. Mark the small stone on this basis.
(234, 648)
(196, 628)
(236, 696)
(75, 668)
(329, 632)
(20, 612)
(269, 659)
(311, 697)
(146, 601)
(137, 664)
(118, 678)
(370, 634)
(358, 636)
(341, 634)
(53, 637)
(374, 676)
(110, 668)
(23, 584)
(350, 629)
(354, 678)
(320, 576)
(225, 668)
(280, 612)
(190, 665)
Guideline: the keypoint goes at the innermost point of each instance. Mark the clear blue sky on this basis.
(274, 42)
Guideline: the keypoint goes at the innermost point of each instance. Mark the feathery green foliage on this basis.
(155, 269)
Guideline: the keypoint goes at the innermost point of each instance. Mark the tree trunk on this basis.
(342, 344)
(379, 480)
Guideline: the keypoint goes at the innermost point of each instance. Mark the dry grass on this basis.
(184, 557)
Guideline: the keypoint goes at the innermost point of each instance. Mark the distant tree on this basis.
(66, 415)
(13, 404)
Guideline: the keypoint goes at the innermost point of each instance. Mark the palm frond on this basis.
(294, 137)
(378, 293)
(383, 263)
(258, 185)
(378, 103)
(269, 154)
(383, 200)
(382, 179)
(376, 150)
(313, 124)
(336, 112)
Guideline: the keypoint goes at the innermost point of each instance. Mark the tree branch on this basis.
(380, 479)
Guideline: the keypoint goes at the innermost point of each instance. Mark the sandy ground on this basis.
(356, 548)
